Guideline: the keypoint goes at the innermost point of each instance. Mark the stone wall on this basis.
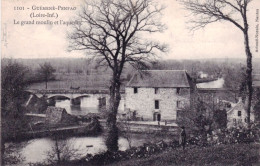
(143, 128)
(143, 102)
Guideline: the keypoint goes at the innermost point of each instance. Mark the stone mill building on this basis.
(157, 95)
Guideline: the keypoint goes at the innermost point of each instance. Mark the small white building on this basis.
(157, 94)
(237, 115)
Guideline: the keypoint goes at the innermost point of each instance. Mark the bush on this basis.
(136, 152)
(227, 136)
(236, 135)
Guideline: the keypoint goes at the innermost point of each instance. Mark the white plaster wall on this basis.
(234, 115)
(144, 102)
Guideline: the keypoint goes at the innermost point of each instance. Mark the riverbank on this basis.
(236, 154)
(36, 150)
(145, 127)
(85, 129)
(77, 130)
(172, 154)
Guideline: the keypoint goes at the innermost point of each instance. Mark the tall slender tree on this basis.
(114, 32)
(233, 11)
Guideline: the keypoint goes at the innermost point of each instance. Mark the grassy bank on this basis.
(238, 154)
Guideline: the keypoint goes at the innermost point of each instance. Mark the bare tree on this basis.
(46, 71)
(232, 11)
(113, 31)
(62, 151)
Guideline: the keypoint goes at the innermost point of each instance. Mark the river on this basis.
(88, 105)
(35, 150)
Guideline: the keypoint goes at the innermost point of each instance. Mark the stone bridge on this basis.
(73, 95)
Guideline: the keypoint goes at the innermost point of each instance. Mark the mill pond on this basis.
(36, 150)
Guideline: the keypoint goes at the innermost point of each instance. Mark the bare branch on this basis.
(109, 29)
(210, 11)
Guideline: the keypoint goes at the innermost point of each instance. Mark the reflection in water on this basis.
(36, 149)
(88, 105)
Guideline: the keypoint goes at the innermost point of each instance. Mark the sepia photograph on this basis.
(130, 83)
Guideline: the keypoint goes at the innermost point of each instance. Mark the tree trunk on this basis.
(46, 84)
(57, 150)
(248, 75)
(2, 149)
(112, 133)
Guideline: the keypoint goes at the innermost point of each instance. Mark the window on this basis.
(179, 104)
(178, 90)
(238, 113)
(234, 121)
(135, 90)
(156, 90)
(156, 104)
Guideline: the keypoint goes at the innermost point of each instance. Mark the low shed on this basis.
(56, 115)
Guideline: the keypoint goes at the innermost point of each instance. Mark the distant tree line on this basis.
(229, 69)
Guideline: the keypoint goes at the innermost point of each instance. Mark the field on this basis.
(84, 81)
(65, 81)
(87, 74)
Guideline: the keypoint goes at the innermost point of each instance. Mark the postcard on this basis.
(98, 82)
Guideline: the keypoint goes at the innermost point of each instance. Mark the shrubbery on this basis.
(228, 136)
(136, 152)
(232, 136)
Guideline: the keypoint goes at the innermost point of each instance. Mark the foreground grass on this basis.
(239, 154)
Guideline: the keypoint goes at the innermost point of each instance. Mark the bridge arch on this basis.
(78, 97)
(59, 97)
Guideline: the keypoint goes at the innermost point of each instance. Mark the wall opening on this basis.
(135, 90)
(156, 104)
(156, 116)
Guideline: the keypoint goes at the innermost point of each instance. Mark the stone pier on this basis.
(75, 101)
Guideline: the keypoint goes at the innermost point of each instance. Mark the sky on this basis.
(217, 40)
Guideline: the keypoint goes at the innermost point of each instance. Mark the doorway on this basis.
(156, 116)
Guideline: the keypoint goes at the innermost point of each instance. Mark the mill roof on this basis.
(161, 78)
